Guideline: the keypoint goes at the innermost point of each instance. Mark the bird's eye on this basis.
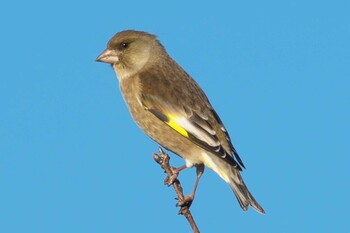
(124, 45)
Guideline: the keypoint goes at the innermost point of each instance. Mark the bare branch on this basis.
(163, 160)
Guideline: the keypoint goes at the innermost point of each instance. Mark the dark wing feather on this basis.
(188, 106)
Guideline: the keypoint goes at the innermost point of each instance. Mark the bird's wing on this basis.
(204, 129)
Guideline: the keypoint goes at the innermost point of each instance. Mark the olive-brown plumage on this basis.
(170, 107)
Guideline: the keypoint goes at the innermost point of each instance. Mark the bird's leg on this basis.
(187, 201)
(176, 171)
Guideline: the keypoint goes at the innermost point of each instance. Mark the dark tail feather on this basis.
(244, 197)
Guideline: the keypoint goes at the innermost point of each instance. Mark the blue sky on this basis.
(72, 160)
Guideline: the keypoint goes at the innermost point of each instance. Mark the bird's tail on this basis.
(233, 177)
(244, 197)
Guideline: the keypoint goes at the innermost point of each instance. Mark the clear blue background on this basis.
(72, 160)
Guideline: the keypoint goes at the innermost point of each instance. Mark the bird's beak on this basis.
(108, 56)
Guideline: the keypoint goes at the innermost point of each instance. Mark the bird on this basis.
(171, 108)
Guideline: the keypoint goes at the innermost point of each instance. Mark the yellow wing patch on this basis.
(174, 125)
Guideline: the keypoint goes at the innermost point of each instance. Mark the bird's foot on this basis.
(169, 180)
(186, 201)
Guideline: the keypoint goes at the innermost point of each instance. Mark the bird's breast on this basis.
(155, 128)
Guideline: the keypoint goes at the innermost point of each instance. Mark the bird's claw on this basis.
(169, 180)
(186, 201)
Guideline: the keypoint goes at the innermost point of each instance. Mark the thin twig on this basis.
(163, 160)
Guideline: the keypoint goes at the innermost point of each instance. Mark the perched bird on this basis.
(170, 107)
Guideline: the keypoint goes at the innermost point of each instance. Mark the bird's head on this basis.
(129, 51)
